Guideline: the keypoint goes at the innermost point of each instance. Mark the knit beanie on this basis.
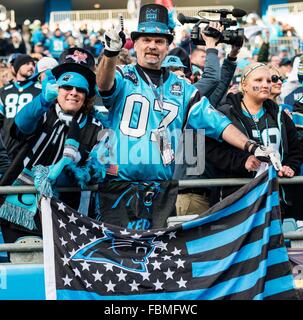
(21, 60)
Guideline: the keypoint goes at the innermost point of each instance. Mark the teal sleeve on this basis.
(28, 117)
(202, 115)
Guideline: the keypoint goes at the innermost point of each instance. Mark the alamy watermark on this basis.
(187, 147)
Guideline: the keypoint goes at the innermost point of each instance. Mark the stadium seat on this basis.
(27, 257)
(289, 224)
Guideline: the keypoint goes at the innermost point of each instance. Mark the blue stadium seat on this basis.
(22, 282)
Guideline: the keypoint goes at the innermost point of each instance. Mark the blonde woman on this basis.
(277, 79)
(260, 119)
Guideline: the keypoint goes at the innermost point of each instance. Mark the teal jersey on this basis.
(135, 115)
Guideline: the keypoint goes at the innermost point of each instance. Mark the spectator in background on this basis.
(37, 33)
(14, 96)
(275, 61)
(255, 54)
(185, 41)
(56, 44)
(26, 35)
(198, 56)
(5, 76)
(18, 43)
(174, 64)
(6, 46)
(275, 30)
(184, 57)
(285, 67)
(129, 44)
(263, 55)
(94, 45)
(124, 57)
(277, 79)
(10, 65)
(46, 63)
(283, 53)
(292, 89)
(71, 42)
(39, 49)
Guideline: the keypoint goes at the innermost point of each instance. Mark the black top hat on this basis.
(77, 60)
(153, 21)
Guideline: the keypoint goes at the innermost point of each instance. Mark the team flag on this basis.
(236, 251)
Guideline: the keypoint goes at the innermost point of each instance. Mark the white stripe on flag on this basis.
(48, 250)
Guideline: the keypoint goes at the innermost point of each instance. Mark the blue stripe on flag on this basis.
(276, 286)
(276, 256)
(249, 251)
(244, 202)
(234, 285)
(227, 236)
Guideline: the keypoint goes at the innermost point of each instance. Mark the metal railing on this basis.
(291, 43)
(196, 183)
(286, 8)
(19, 247)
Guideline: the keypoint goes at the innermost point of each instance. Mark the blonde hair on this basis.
(248, 70)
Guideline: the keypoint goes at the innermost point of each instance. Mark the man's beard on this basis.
(27, 74)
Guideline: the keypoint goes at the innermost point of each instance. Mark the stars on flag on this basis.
(158, 267)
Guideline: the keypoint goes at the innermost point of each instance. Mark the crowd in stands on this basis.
(252, 89)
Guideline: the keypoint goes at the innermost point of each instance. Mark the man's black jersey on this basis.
(13, 97)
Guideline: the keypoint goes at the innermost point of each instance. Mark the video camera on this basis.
(233, 37)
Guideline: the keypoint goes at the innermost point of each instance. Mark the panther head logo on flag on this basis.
(117, 250)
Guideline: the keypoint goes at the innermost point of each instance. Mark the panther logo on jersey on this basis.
(130, 75)
(176, 89)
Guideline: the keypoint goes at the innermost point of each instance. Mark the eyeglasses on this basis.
(276, 78)
(70, 88)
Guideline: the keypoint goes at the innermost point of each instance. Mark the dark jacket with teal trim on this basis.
(230, 161)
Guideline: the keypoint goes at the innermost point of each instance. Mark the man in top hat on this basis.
(14, 96)
(149, 105)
